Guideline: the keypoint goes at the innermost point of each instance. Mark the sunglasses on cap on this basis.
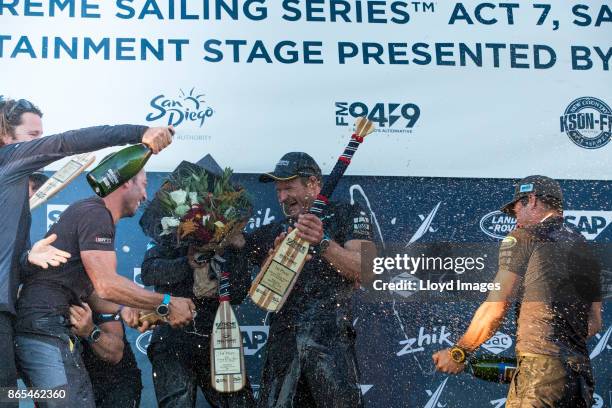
(20, 103)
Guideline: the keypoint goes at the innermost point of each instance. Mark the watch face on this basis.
(95, 334)
(457, 355)
(323, 245)
(162, 310)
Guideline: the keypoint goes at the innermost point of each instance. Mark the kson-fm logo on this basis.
(587, 121)
(388, 117)
(188, 107)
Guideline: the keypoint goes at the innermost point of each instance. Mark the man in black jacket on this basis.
(181, 357)
(22, 152)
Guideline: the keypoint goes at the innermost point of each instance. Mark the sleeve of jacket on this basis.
(24, 158)
(164, 266)
(240, 275)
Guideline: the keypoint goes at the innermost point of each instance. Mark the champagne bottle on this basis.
(493, 368)
(117, 168)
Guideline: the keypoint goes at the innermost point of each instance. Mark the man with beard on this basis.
(557, 279)
(47, 351)
(22, 152)
(310, 353)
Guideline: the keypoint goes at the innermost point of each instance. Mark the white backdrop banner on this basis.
(457, 89)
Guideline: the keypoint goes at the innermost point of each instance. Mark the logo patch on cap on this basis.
(526, 188)
(283, 163)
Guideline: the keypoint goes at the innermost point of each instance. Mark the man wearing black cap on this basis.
(557, 279)
(310, 357)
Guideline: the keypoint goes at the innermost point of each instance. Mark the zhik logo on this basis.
(425, 225)
(589, 223)
(389, 117)
(186, 108)
(260, 219)
(423, 339)
(53, 213)
(253, 338)
(498, 343)
(602, 343)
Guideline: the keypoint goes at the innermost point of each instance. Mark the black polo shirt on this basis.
(560, 278)
(83, 226)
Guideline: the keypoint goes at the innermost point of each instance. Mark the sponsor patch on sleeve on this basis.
(103, 240)
(508, 242)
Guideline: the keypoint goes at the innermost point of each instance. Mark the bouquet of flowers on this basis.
(201, 209)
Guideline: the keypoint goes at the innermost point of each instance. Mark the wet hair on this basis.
(38, 179)
(10, 115)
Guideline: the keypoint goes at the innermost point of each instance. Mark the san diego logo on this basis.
(188, 107)
(587, 121)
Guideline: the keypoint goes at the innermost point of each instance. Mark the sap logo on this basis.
(53, 213)
(602, 343)
(253, 338)
(498, 343)
(496, 224)
(188, 107)
(425, 225)
(137, 277)
(260, 219)
(434, 397)
(389, 117)
(143, 341)
(589, 223)
(587, 121)
(434, 338)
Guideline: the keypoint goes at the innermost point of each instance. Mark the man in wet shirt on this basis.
(47, 351)
(310, 353)
(557, 279)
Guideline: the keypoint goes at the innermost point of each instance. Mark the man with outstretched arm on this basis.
(557, 279)
(22, 152)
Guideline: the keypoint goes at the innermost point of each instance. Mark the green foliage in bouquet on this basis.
(201, 208)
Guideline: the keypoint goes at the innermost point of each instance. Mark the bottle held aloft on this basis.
(117, 168)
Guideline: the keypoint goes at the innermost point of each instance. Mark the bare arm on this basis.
(101, 267)
(489, 315)
(485, 322)
(109, 346)
(347, 259)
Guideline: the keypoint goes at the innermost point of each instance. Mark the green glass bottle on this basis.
(493, 368)
(117, 168)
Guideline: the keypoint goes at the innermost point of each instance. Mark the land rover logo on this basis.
(496, 224)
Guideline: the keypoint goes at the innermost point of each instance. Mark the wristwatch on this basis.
(324, 244)
(458, 354)
(94, 336)
(164, 308)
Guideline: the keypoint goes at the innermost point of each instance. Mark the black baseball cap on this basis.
(292, 165)
(538, 185)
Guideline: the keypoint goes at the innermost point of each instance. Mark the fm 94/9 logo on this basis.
(386, 115)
